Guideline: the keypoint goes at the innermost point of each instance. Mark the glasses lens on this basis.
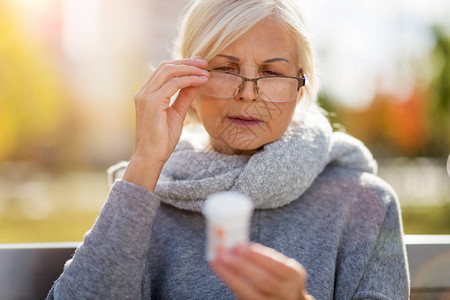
(221, 85)
(280, 89)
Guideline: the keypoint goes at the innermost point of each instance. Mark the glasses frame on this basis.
(301, 81)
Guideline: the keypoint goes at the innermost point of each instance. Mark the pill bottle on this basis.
(227, 221)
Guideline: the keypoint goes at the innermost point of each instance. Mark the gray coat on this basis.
(340, 221)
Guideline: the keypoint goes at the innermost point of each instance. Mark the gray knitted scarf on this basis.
(274, 176)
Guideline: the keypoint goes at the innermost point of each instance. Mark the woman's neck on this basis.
(226, 149)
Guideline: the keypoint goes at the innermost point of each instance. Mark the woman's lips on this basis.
(244, 121)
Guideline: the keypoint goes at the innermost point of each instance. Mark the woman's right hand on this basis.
(159, 124)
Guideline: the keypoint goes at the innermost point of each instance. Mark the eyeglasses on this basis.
(269, 88)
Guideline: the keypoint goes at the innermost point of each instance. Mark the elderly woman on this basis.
(324, 225)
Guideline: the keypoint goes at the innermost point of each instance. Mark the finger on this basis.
(241, 287)
(196, 62)
(291, 279)
(271, 260)
(170, 71)
(175, 84)
(263, 279)
(184, 100)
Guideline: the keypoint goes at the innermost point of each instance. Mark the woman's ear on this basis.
(300, 94)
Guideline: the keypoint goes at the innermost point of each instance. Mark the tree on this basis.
(439, 105)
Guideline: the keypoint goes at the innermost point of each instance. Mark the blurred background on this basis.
(69, 70)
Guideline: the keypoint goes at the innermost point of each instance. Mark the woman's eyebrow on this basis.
(276, 59)
(270, 60)
(233, 58)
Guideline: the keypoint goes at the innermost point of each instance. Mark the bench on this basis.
(27, 271)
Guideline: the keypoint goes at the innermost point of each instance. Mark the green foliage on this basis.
(439, 91)
(416, 126)
(61, 227)
(426, 219)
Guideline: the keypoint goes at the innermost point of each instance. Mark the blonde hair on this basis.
(209, 26)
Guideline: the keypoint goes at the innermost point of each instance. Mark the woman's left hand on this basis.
(254, 271)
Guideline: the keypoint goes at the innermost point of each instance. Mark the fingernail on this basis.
(197, 57)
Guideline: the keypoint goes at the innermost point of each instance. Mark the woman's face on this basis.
(245, 123)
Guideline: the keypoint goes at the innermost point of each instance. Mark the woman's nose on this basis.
(248, 91)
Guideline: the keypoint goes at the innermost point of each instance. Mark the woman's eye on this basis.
(227, 69)
(270, 73)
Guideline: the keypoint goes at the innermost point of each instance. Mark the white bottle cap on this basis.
(226, 206)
